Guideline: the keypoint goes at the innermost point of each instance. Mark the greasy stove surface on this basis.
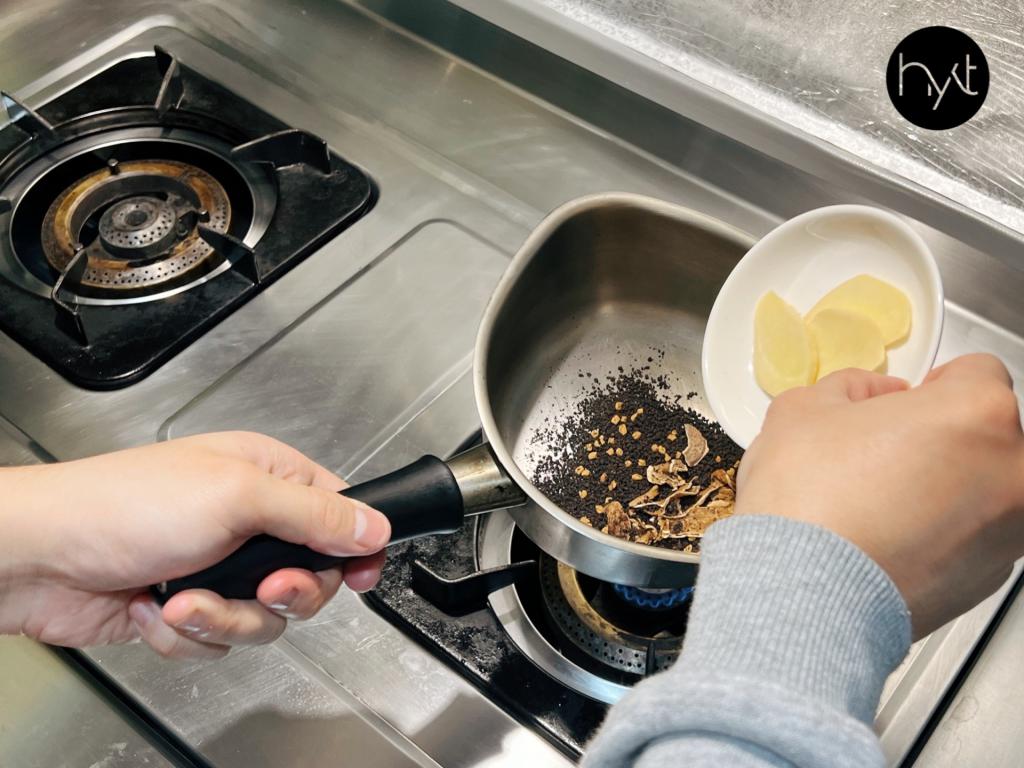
(360, 355)
(441, 591)
(123, 143)
(475, 645)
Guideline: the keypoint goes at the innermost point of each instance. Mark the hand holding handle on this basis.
(419, 499)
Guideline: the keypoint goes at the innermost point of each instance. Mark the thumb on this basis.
(854, 384)
(322, 519)
(978, 365)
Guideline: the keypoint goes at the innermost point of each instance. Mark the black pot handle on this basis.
(420, 499)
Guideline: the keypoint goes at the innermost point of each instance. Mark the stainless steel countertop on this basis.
(468, 154)
(49, 718)
(982, 726)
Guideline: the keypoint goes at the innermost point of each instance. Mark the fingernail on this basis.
(190, 623)
(284, 604)
(143, 612)
(371, 528)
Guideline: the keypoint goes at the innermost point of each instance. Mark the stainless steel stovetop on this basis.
(360, 356)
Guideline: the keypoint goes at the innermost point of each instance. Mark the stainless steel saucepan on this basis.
(602, 280)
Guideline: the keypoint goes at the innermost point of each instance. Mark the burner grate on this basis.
(474, 644)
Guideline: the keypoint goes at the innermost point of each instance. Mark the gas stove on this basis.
(354, 340)
(144, 205)
(553, 646)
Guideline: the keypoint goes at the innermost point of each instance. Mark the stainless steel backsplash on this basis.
(820, 65)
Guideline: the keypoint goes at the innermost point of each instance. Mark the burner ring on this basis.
(596, 635)
(527, 619)
(162, 246)
(497, 534)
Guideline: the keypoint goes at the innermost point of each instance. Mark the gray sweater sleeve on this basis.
(791, 636)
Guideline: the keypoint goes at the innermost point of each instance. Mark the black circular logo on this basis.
(937, 78)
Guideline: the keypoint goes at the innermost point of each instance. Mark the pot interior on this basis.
(612, 285)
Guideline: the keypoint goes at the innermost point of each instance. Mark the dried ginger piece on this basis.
(727, 494)
(675, 528)
(692, 526)
(715, 485)
(649, 502)
(667, 473)
(696, 446)
(649, 534)
(646, 499)
(723, 476)
(620, 524)
(690, 489)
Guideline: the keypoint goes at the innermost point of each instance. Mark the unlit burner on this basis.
(137, 222)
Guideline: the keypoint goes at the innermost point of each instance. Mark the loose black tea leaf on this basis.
(634, 462)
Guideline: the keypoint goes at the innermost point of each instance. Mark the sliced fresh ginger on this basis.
(846, 339)
(876, 299)
(784, 355)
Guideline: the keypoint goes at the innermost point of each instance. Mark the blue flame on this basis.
(653, 599)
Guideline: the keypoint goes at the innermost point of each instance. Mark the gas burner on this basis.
(453, 594)
(593, 636)
(616, 633)
(145, 182)
(141, 207)
(137, 222)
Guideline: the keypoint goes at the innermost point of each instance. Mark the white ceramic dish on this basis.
(801, 260)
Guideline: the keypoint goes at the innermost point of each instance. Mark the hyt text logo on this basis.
(937, 78)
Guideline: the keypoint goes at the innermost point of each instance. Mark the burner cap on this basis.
(139, 227)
